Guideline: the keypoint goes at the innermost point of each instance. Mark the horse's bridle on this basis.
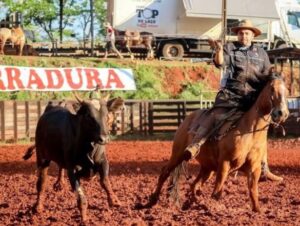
(271, 121)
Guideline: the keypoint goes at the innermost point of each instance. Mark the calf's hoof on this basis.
(217, 196)
(37, 208)
(58, 187)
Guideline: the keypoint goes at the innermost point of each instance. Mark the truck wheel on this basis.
(173, 50)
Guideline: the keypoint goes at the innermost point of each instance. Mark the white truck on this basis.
(183, 26)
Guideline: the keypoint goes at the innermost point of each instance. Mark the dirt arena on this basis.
(135, 166)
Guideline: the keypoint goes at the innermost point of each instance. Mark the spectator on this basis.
(111, 39)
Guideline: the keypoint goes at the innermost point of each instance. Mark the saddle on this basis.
(222, 125)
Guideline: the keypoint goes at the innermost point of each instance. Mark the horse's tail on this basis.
(173, 187)
(29, 152)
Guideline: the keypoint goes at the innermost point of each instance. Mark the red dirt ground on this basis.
(135, 166)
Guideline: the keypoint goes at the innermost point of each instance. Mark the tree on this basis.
(45, 14)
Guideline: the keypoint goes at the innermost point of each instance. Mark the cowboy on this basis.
(246, 68)
(111, 39)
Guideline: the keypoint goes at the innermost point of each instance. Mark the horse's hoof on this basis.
(114, 202)
(216, 196)
(186, 205)
(139, 206)
(256, 209)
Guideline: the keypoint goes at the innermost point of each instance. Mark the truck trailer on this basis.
(183, 27)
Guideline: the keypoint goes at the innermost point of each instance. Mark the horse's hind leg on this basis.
(40, 185)
(203, 176)
(253, 178)
(222, 174)
(165, 173)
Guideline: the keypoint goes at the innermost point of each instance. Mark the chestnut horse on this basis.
(15, 35)
(242, 148)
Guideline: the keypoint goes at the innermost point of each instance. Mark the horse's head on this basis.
(273, 100)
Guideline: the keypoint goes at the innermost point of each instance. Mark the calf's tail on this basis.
(29, 152)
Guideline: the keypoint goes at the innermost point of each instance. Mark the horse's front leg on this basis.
(221, 177)
(253, 178)
(81, 199)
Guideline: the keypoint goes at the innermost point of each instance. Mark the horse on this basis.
(241, 148)
(128, 39)
(15, 35)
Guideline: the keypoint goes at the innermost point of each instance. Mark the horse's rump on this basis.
(17, 35)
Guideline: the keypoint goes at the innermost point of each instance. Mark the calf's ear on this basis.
(115, 104)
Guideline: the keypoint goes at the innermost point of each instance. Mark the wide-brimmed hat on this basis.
(246, 24)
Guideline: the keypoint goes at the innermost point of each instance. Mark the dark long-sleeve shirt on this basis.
(247, 70)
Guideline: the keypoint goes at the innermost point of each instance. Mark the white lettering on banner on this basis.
(65, 79)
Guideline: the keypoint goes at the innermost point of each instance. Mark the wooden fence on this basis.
(18, 119)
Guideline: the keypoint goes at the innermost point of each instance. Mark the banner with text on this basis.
(14, 78)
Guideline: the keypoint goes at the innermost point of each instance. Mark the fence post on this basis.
(201, 101)
(2, 109)
(141, 116)
(39, 109)
(131, 118)
(15, 112)
(27, 126)
(122, 122)
(178, 113)
(184, 110)
(150, 117)
(145, 119)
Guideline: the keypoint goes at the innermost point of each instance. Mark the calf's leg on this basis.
(105, 182)
(60, 182)
(81, 199)
(40, 185)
